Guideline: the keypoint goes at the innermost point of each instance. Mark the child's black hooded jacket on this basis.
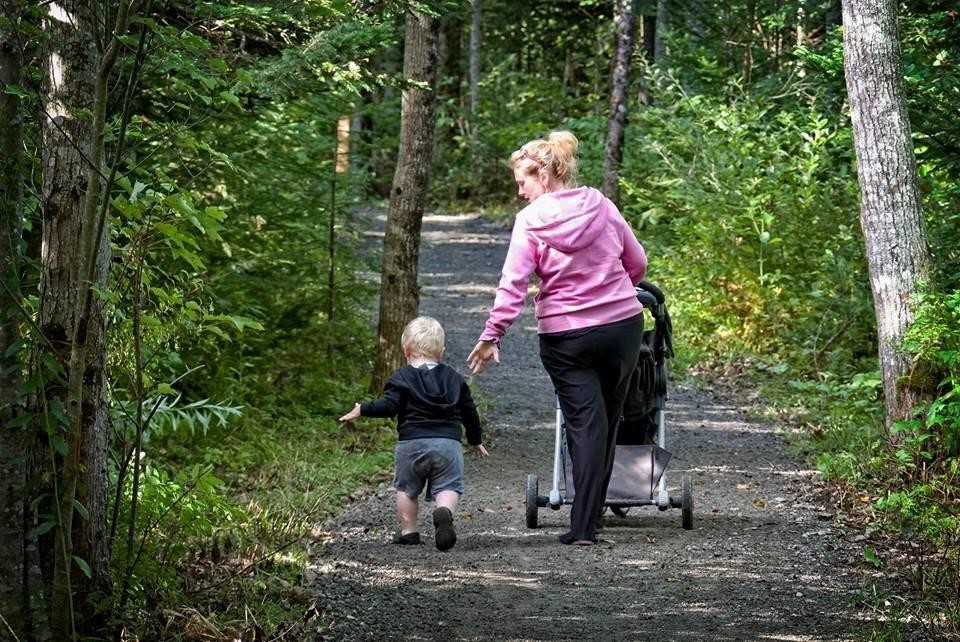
(428, 402)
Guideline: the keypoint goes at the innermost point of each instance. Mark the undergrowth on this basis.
(238, 530)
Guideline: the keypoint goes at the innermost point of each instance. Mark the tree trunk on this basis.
(475, 24)
(399, 293)
(625, 21)
(75, 261)
(13, 592)
(70, 70)
(898, 255)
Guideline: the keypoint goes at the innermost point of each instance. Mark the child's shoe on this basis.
(443, 521)
(409, 539)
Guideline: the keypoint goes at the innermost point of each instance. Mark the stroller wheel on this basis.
(533, 484)
(686, 507)
(620, 511)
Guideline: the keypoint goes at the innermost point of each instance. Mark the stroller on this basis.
(640, 461)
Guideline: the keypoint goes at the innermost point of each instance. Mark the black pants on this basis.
(590, 369)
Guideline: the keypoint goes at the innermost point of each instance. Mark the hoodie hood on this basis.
(568, 220)
(434, 388)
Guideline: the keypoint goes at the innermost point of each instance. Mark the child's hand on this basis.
(480, 451)
(353, 414)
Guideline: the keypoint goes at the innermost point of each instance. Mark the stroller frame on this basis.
(641, 466)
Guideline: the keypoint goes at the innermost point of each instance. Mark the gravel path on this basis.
(763, 562)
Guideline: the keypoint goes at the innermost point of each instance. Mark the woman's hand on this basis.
(481, 354)
(480, 451)
(353, 414)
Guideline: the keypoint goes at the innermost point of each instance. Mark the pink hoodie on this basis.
(586, 256)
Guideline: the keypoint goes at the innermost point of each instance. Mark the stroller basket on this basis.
(637, 470)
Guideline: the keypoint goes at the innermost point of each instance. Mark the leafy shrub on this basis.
(748, 212)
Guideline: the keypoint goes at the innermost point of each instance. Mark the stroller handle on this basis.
(646, 286)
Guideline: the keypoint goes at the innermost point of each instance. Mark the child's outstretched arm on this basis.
(353, 414)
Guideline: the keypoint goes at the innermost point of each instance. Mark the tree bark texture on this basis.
(13, 591)
(891, 215)
(75, 257)
(625, 22)
(399, 292)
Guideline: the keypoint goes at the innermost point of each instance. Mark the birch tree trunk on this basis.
(898, 255)
(399, 292)
(13, 593)
(625, 22)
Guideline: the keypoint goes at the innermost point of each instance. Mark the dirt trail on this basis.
(763, 562)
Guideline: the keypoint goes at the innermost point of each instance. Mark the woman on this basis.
(588, 317)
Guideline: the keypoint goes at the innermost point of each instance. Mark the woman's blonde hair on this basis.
(557, 154)
(423, 337)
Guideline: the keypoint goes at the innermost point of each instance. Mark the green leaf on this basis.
(168, 230)
(59, 444)
(165, 389)
(135, 192)
(14, 90)
(57, 411)
(83, 566)
(230, 98)
(43, 528)
(243, 322)
(21, 420)
(13, 348)
(50, 363)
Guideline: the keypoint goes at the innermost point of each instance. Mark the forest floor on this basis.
(764, 561)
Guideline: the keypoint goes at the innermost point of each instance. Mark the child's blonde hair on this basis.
(423, 337)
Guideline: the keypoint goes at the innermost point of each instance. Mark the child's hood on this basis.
(568, 220)
(436, 387)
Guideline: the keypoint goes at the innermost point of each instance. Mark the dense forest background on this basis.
(188, 301)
